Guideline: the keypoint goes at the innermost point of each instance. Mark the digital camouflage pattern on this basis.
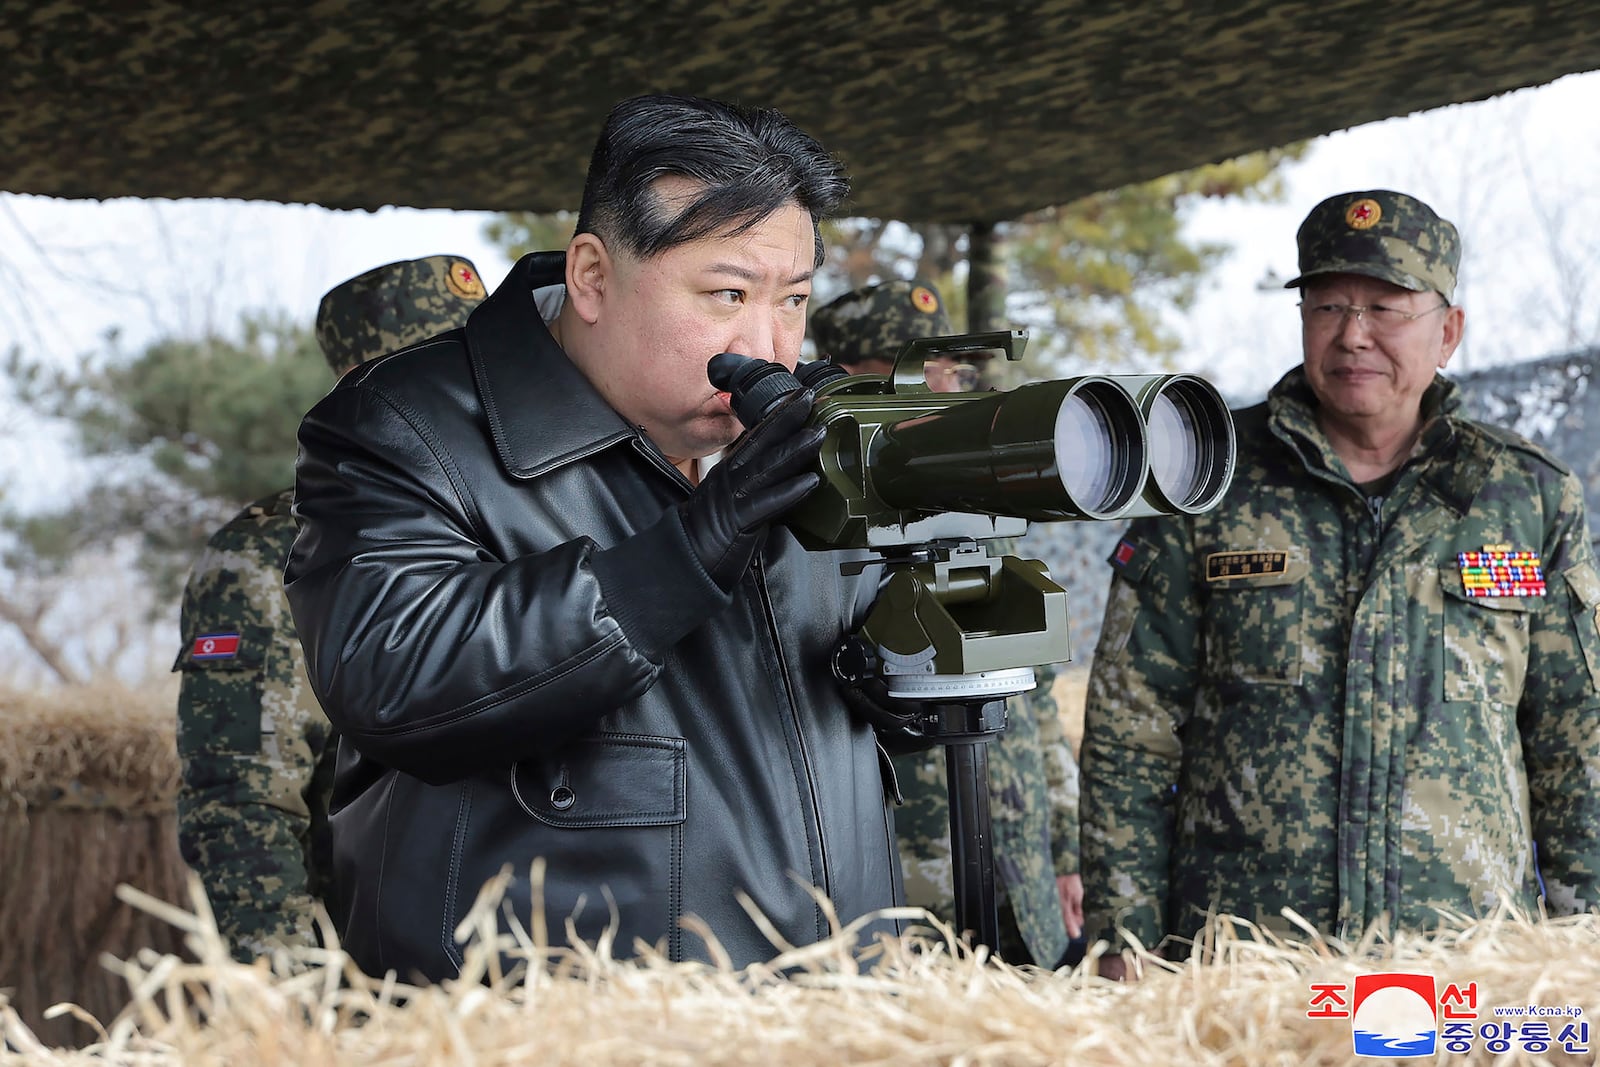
(875, 321)
(1033, 794)
(1294, 704)
(395, 305)
(1553, 402)
(1381, 234)
(257, 751)
(941, 112)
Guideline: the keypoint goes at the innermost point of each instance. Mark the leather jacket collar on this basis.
(542, 411)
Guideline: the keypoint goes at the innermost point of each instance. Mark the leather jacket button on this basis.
(562, 797)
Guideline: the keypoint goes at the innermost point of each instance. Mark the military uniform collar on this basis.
(542, 411)
(1293, 408)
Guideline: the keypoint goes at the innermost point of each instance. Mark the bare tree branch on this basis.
(28, 625)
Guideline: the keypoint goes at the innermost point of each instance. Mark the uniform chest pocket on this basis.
(1485, 642)
(1254, 607)
(1583, 583)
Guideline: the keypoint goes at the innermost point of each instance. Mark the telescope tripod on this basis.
(953, 633)
(965, 729)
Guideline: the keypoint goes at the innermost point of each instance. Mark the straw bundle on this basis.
(926, 1001)
(87, 785)
(102, 746)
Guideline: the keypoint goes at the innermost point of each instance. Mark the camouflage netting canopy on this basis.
(943, 110)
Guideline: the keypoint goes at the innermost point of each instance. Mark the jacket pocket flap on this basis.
(606, 780)
(1584, 581)
(1451, 582)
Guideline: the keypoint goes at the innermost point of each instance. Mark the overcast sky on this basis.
(1517, 175)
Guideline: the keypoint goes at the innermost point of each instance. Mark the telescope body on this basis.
(923, 478)
(903, 465)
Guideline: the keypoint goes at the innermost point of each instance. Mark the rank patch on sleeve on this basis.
(1496, 570)
(215, 646)
(1222, 566)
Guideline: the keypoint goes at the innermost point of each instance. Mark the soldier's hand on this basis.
(1070, 888)
(1123, 967)
(1114, 968)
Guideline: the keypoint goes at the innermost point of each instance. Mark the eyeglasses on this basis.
(1379, 319)
(955, 377)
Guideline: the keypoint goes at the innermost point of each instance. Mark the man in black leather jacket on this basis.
(545, 627)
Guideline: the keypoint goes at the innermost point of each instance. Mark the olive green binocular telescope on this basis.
(922, 478)
(903, 465)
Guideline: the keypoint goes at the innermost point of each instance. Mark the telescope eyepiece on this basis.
(754, 386)
(817, 374)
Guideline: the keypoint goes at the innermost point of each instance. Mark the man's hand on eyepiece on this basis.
(763, 474)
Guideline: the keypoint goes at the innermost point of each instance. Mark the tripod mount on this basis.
(954, 632)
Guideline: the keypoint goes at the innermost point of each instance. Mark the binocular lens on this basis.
(1099, 447)
(1175, 447)
(1083, 450)
(1191, 443)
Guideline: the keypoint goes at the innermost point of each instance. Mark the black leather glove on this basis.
(764, 473)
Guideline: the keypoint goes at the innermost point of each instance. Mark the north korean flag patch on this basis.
(215, 646)
(1132, 558)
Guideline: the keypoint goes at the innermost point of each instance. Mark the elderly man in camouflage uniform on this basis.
(1033, 778)
(257, 751)
(1365, 685)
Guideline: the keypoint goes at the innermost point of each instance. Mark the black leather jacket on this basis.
(502, 616)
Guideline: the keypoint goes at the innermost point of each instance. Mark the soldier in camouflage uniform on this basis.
(1367, 683)
(1032, 775)
(257, 751)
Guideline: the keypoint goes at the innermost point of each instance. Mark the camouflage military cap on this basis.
(395, 305)
(1382, 234)
(876, 320)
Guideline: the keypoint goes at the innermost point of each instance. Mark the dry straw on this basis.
(88, 778)
(100, 746)
(922, 1000)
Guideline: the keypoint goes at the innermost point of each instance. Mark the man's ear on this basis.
(1455, 327)
(590, 269)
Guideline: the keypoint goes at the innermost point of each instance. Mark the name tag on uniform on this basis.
(1498, 570)
(1226, 566)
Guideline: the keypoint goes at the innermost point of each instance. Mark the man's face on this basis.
(946, 374)
(663, 318)
(1367, 372)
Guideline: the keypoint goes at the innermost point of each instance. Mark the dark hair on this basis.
(752, 161)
